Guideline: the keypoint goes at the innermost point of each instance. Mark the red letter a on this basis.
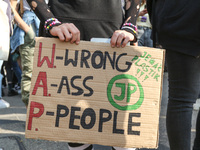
(41, 77)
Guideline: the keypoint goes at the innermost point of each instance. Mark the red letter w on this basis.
(40, 62)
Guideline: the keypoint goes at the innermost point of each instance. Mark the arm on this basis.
(132, 10)
(143, 12)
(125, 34)
(69, 32)
(41, 9)
(18, 19)
(65, 31)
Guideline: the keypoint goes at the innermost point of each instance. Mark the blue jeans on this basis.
(17, 71)
(184, 87)
(144, 36)
(1, 76)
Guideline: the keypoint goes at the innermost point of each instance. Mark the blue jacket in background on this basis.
(17, 38)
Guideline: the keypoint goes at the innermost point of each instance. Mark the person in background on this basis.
(9, 76)
(17, 72)
(4, 82)
(144, 27)
(6, 29)
(27, 27)
(176, 27)
(75, 20)
(3, 103)
(16, 65)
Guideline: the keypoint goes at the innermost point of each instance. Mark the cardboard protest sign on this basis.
(92, 93)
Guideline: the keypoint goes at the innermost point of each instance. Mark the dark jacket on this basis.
(176, 24)
(94, 18)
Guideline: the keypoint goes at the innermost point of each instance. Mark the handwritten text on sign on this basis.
(96, 90)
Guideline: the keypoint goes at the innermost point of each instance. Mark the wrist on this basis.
(50, 23)
(129, 27)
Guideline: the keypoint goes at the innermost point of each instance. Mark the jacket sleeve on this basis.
(132, 10)
(41, 9)
(131, 13)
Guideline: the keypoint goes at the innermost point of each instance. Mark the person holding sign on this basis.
(75, 20)
(72, 22)
(144, 27)
(178, 31)
(26, 28)
(6, 30)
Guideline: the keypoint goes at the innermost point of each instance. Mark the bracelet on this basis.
(125, 27)
(49, 20)
(131, 30)
(130, 25)
(50, 23)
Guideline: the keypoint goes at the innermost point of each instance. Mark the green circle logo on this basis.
(129, 85)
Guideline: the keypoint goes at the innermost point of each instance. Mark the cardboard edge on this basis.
(161, 88)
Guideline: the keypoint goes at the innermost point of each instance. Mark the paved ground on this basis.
(12, 128)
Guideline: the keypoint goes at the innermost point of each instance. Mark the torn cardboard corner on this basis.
(80, 93)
